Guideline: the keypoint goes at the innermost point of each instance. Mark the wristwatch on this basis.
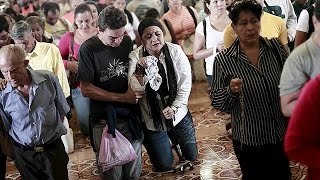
(174, 109)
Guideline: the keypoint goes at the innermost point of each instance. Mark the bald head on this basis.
(12, 53)
(13, 65)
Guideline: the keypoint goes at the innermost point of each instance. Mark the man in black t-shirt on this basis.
(103, 73)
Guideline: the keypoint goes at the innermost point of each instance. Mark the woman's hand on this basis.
(3, 84)
(143, 62)
(168, 113)
(72, 66)
(236, 85)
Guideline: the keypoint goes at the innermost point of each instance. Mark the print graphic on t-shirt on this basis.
(116, 69)
(275, 10)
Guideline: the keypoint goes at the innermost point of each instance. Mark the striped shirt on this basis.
(262, 121)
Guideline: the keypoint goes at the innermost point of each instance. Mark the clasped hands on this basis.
(236, 85)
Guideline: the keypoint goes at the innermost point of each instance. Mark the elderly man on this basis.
(41, 55)
(34, 122)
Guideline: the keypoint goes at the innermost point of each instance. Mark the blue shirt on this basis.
(39, 120)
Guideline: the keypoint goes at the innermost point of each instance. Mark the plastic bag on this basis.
(67, 139)
(115, 151)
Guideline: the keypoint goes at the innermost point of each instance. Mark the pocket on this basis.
(48, 115)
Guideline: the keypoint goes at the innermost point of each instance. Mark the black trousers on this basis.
(262, 162)
(3, 160)
(50, 164)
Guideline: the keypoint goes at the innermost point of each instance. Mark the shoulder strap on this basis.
(171, 31)
(269, 9)
(311, 27)
(205, 32)
(64, 23)
(71, 45)
(193, 16)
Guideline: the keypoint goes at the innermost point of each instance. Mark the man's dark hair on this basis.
(244, 6)
(4, 24)
(317, 9)
(50, 6)
(152, 13)
(111, 18)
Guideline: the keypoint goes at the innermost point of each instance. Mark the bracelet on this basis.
(174, 109)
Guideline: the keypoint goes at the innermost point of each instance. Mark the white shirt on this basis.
(130, 28)
(303, 21)
(213, 38)
(182, 70)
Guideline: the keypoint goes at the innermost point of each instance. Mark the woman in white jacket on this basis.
(163, 71)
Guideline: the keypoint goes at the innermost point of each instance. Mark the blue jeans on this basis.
(131, 170)
(82, 107)
(157, 144)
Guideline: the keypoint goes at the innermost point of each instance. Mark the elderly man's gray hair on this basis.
(12, 52)
(20, 30)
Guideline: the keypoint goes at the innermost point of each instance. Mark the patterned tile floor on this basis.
(216, 160)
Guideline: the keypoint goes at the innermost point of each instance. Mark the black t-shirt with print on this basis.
(105, 67)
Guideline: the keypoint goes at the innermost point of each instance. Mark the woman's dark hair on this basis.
(129, 15)
(93, 3)
(152, 13)
(111, 18)
(4, 24)
(317, 9)
(147, 22)
(81, 8)
(206, 10)
(244, 5)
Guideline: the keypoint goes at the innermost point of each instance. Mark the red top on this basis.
(302, 140)
(64, 47)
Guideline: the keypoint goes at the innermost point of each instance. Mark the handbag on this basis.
(72, 77)
(114, 151)
(67, 139)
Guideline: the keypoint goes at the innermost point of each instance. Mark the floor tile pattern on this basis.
(216, 159)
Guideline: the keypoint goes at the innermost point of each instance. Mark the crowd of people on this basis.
(128, 66)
